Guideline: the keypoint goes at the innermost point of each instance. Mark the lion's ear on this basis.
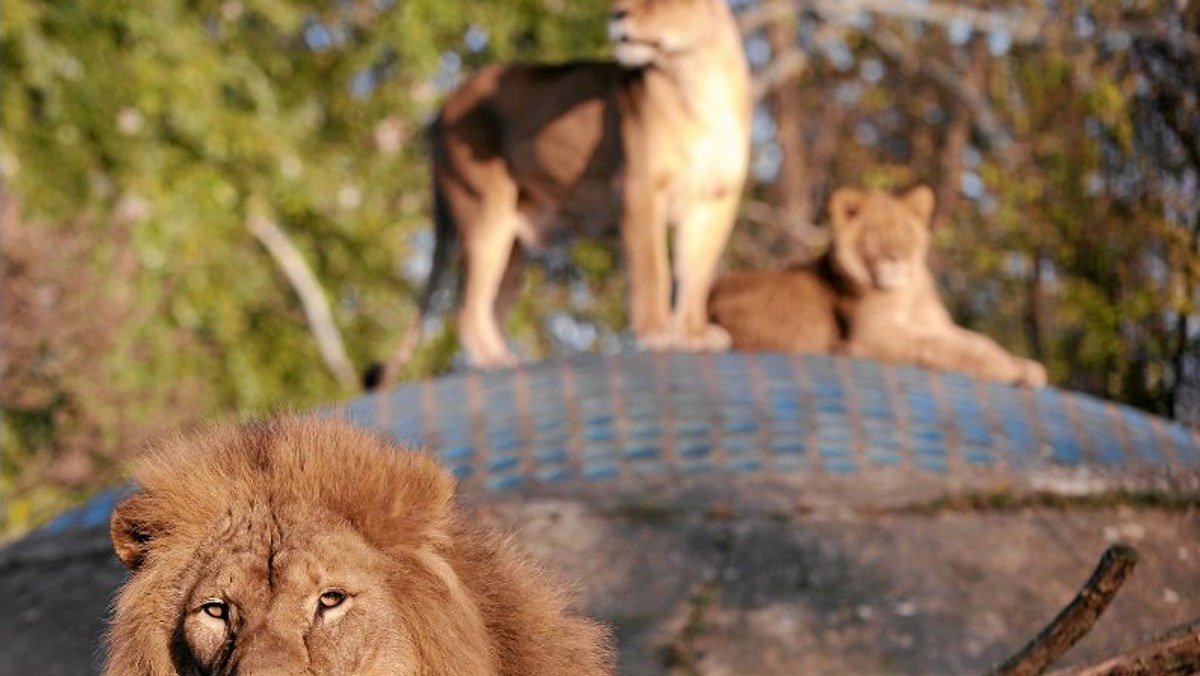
(844, 205)
(420, 506)
(921, 201)
(132, 530)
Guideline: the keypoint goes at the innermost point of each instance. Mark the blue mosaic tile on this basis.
(839, 467)
(740, 445)
(505, 442)
(1100, 432)
(745, 465)
(503, 464)
(551, 475)
(645, 432)
(694, 449)
(786, 447)
(740, 426)
(1187, 444)
(883, 455)
(598, 472)
(505, 482)
(692, 428)
(550, 455)
(590, 450)
(452, 453)
(643, 452)
(599, 434)
(698, 467)
(647, 469)
(978, 455)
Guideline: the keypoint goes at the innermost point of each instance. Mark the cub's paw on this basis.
(1031, 373)
(712, 338)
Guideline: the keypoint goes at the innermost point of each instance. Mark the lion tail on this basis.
(444, 237)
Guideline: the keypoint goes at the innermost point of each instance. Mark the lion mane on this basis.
(307, 546)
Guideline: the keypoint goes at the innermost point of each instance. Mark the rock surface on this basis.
(728, 577)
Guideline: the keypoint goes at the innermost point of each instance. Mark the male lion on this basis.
(660, 137)
(870, 295)
(300, 546)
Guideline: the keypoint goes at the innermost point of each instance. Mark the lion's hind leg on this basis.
(488, 241)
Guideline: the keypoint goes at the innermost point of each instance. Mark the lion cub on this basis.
(870, 295)
(525, 155)
(302, 546)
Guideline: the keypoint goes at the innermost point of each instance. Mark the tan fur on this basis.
(273, 518)
(871, 295)
(524, 155)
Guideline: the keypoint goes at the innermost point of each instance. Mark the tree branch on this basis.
(986, 120)
(787, 65)
(1023, 29)
(790, 63)
(312, 296)
(1077, 618)
(1175, 652)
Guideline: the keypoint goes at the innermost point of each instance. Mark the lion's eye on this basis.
(332, 599)
(216, 608)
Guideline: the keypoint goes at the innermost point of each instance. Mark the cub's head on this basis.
(880, 241)
(286, 547)
(648, 31)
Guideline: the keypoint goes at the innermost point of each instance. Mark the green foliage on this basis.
(172, 120)
(140, 136)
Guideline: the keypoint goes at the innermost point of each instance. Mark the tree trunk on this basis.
(312, 297)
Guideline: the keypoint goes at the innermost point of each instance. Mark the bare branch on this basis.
(1175, 652)
(312, 296)
(1077, 618)
(986, 120)
(783, 68)
(1023, 28)
(791, 63)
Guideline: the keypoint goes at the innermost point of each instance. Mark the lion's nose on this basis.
(270, 653)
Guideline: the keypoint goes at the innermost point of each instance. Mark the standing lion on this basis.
(524, 155)
(301, 546)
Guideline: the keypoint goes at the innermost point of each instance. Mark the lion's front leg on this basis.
(959, 349)
(700, 237)
(643, 235)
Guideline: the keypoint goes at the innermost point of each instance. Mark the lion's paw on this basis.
(713, 338)
(657, 341)
(499, 360)
(1033, 374)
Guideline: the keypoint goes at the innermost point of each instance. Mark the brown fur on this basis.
(526, 154)
(279, 519)
(871, 295)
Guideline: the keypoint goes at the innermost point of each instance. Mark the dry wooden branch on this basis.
(312, 297)
(790, 63)
(1065, 630)
(1023, 28)
(787, 65)
(1175, 652)
(986, 121)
